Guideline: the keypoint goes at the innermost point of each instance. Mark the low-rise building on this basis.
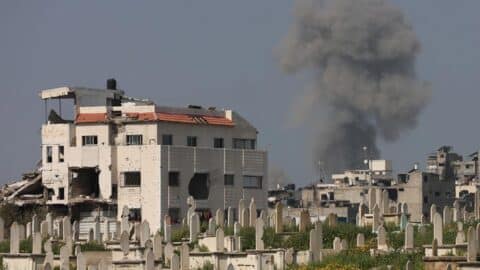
(421, 190)
(119, 151)
(441, 162)
(377, 171)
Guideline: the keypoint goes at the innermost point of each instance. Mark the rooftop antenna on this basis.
(321, 171)
(366, 161)
(365, 155)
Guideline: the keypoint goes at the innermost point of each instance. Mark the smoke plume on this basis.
(361, 55)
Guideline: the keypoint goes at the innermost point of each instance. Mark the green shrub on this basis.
(423, 238)
(56, 247)
(426, 238)
(395, 239)
(247, 235)
(290, 228)
(271, 239)
(228, 230)
(206, 266)
(450, 233)
(26, 245)
(92, 246)
(361, 259)
(5, 246)
(346, 231)
(390, 227)
(298, 241)
(399, 260)
(203, 227)
(192, 245)
(180, 233)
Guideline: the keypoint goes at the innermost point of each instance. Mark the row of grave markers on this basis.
(141, 232)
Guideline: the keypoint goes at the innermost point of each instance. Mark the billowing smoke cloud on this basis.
(361, 55)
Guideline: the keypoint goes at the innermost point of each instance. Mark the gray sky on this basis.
(217, 53)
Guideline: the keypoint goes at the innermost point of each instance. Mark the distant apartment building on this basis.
(441, 162)
(450, 165)
(120, 151)
(378, 171)
(416, 188)
(351, 185)
(422, 189)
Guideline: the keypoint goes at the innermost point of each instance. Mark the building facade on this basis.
(419, 190)
(120, 151)
(423, 189)
(441, 162)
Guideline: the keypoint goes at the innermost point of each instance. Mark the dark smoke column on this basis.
(361, 54)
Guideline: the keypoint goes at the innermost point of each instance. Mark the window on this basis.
(425, 199)
(167, 139)
(252, 181)
(89, 140)
(61, 193)
(49, 154)
(135, 214)
(228, 179)
(132, 179)
(191, 141)
(437, 194)
(134, 139)
(173, 179)
(218, 143)
(61, 153)
(50, 193)
(425, 178)
(244, 143)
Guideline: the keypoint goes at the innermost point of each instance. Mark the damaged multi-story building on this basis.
(416, 188)
(464, 171)
(120, 151)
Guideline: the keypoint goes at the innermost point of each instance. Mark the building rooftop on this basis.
(155, 117)
(111, 104)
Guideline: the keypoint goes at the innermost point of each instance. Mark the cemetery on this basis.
(269, 240)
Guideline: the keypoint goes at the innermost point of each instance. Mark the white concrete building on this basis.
(378, 170)
(123, 151)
